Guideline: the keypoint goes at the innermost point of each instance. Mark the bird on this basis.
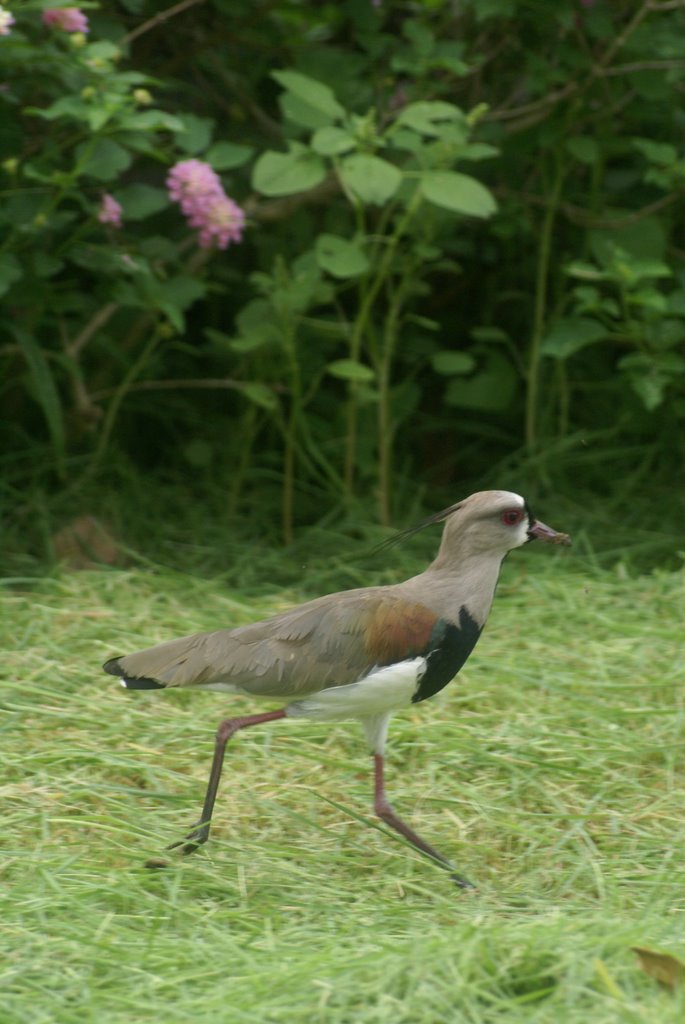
(361, 654)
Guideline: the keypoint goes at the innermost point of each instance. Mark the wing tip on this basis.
(115, 668)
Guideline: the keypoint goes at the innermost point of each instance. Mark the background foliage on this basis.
(463, 260)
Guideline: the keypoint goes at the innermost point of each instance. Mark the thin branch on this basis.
(279, 209)
(642, 65)
(530, 113)
(621, 39)
(72, 348)
(580, 216)
(158, 19)
(205, 383)
(236, 87)
(533, 108)
(666, 5)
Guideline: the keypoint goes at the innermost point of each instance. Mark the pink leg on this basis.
(385, 812)
(227, 728)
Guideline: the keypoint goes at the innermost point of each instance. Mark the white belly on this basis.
(383, 691)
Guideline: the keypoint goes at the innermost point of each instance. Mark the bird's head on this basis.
(486, 523)
(495, 522)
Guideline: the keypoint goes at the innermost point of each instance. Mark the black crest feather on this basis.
(402, 535)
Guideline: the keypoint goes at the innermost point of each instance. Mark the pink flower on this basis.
(197, 188)
(223, 221)
(6, 21)
(68, 19)
(191, 182)
(110, 211)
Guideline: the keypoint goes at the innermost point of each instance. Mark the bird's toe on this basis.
(192, 842)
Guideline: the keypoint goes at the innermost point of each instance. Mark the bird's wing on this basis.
(332, 641)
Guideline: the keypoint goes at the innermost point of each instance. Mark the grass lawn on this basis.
(551, 773)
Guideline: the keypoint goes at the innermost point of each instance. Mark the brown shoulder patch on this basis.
(397, 630)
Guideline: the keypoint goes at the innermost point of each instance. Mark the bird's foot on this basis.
(193, 841)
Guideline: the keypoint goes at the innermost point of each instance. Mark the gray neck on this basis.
(445, 590)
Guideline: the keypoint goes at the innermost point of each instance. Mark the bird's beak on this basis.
(539, 531)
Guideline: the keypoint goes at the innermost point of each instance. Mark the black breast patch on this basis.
(449, 647)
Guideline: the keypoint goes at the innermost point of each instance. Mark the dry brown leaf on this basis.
(665, 968)
(87, 543)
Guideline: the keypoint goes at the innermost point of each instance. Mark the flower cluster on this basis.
(197, 188)
(6, 21)
(67, 19)
(110, 211)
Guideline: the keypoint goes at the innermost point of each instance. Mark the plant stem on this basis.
(540, 310)
(122, 390)
(291, 430)
(386, 426)
(362, 326)
(352, 409)
(248, 431)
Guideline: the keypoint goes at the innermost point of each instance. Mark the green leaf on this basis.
(10, 271)
(251, 343)
(668, 333)
(676, 302)
(644, 239)
(282, 174)
(423, 321)
(488, 334)
(571, 335)
(255, 326)
(97, 118)
(140, 201)
(182, 291)
(450, 363)
(315, 94)
(195, 133)
(105, 160)
(156, 248)
(45, 264)
(458, 192)
(371, 179)
(429, 116)
(260, 394)
(340, 257)
(330, 141)
(584, 148)
(586, 271)
(492, 389)
(407, 139)
(224, 156)
(198, 453)
(645, 381)
(646, 268)
(65, 106)
(102, 50)
(152, 120)
(350, 369)
(662, 153)
(649, 298)
(301, 113)
(478, 151)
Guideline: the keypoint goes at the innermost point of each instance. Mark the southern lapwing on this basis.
(360, 654)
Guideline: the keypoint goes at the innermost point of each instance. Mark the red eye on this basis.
(512, 516)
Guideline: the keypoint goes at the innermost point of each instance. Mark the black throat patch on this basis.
(449, 647)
